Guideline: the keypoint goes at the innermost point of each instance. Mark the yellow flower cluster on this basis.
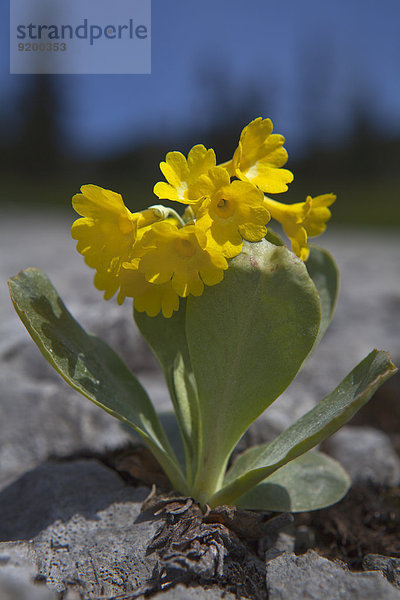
(155, 256)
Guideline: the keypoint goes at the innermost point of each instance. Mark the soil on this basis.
(366, 521)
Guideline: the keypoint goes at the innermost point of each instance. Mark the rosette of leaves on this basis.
(226, 355)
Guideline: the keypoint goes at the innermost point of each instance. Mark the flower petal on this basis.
(259, 156)
(183, 175)
(175, 169)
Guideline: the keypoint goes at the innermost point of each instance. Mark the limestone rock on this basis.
(367, 454)
(84, 525)
(181, 592)
(18, 574)
(389, 566)
(291, 577)
(40, 419)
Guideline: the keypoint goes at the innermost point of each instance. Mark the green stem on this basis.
(231, 492)
(210, 475)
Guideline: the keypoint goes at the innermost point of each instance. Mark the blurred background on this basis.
(327, 73)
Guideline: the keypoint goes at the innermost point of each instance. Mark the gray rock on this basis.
(42, 418)
(84, 525)
(291, 577)
(367, 454)
(45, 418)
(39, 419)
(18, 574)
(181, 592)
(285, 542)
(16, 585)
(389, 566)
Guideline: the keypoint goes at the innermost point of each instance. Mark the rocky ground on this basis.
(71, 525)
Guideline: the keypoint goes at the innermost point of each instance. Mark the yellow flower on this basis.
(260, 156)
(182, 174)
(107, 233)
(318, 214)
(302, 220)
(231, 211)
(148, 297)
(181, 256)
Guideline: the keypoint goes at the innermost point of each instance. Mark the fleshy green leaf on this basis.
(88, 364)
(311, 481)
(323, 271)
(167, 338)
(323, 420)
(274, 238)
(247, 338)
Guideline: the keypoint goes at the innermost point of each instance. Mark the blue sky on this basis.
(309, 63)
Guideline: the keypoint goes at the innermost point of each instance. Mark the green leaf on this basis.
(274, 238)
(323, 420)
(167, 339)
(247, 338)
(323, 271)
(88, 364)
(311, 481)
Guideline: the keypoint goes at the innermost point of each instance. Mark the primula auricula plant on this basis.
(231, 314)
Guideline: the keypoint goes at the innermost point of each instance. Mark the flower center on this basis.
(185, 247)
(224, 208)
